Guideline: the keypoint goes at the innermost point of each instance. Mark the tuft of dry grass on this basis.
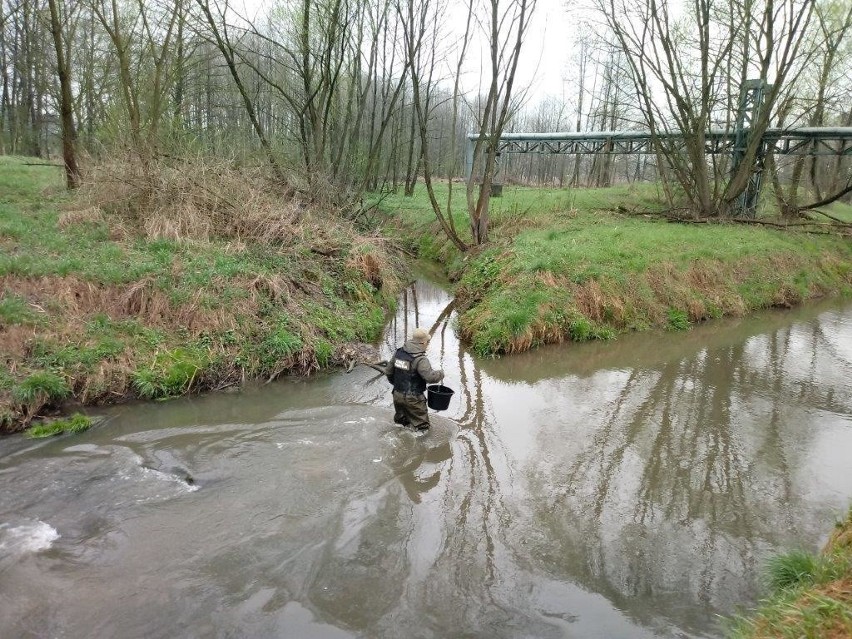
(195, 199)
(274, 287)
(592, 301)
(841, 539)
(73, 217)
(14, 342)
(77, 300)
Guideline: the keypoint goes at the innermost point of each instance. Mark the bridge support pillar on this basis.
(496, 185)
(752, 95)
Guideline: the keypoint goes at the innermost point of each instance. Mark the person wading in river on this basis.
(409, 371)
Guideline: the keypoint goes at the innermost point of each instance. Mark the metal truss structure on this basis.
(802, 141)
(812, 141)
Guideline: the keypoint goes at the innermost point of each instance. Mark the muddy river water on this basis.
(628, 489)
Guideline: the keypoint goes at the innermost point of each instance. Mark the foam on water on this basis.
(26, 538)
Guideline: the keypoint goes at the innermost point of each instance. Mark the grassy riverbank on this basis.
(588, 264)
(175, 281)
(810, 596)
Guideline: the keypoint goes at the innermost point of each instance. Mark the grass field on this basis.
(160, 284)
(93, 308)
(588, 264)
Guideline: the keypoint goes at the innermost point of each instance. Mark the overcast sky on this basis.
(544, 58)
(544, 61)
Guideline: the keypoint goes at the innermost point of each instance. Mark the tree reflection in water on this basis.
(629, 489)
(688, 472)
(657, 471)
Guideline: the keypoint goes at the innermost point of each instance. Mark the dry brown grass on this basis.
(537, 333)
(274, 287)
(110, 381)
(667, 283)
(194, 200)
(77, 300)
(838, 590)
(841, 538)
(374, 262)
(593, 303)
(13, 342)
(835, 594)
(90, 215)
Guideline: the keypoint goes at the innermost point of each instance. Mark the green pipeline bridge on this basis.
(809, 141)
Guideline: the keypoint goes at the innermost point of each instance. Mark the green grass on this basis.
(744, 267)
(21, 184)
(840, 210)
(524, 201)
(171, 373)
(177, 316)
(519, 206)
(678, 320)
(77, 423)
(592, 244)
(573, 264)
(809, 596)
(15, 310)
(41, 386)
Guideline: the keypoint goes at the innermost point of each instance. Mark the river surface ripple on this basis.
(629, 489)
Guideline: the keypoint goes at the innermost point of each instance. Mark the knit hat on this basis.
(420, 335)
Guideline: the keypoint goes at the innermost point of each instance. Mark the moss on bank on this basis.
(810, 595)
(568, 265)
(154, 286)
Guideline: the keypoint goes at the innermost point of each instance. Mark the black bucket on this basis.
(438, 397)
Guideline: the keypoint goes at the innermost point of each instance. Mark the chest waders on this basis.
(408, 387)
(406, 379)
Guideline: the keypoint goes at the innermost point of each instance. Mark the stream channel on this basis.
(629, 489)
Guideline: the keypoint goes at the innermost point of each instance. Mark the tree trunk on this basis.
(66, 100)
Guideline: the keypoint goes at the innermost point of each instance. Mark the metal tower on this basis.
(752, 94)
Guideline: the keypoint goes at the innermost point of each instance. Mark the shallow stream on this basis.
(625, 489)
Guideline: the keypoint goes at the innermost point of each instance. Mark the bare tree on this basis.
(820, 86)
(5, 101)
(221, 38)
(679, 66)
(416, 16)
(507, 26)
(26, 69)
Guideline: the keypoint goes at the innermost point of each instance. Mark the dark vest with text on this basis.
(405, 378)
